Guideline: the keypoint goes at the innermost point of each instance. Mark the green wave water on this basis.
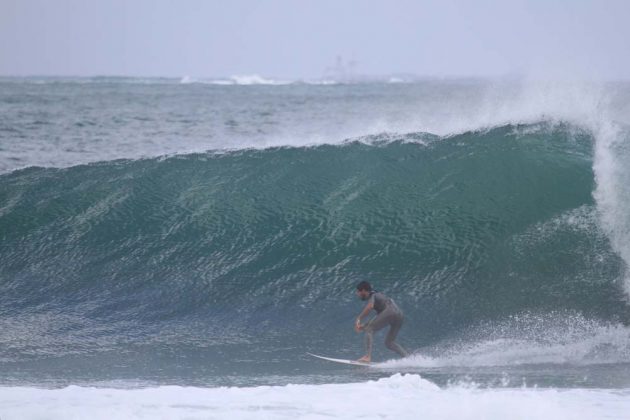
(431, 219)
(261, 247)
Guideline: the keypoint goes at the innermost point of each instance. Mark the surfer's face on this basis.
(363, 294)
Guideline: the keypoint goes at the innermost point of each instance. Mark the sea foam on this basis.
(397, 397)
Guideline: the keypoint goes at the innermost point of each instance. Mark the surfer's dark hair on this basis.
(364, 285)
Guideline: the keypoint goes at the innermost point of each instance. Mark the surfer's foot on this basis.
(365, 359)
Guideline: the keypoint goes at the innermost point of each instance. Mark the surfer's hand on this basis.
(357, 326)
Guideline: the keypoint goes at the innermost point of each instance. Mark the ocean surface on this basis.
(174, 248)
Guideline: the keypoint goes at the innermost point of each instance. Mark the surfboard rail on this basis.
(342, 361)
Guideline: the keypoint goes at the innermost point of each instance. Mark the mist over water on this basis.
(67, 122)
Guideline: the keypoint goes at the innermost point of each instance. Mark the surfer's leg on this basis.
(396, 324)
(369, 339)
(374, 325)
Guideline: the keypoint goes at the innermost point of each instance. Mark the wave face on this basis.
(217, 247)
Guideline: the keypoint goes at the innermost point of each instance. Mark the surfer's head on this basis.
(364, 289)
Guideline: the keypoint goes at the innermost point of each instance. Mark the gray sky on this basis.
(301, 39)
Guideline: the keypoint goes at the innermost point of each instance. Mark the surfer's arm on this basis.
(364, 312)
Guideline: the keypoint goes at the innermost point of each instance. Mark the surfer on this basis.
(388, 313)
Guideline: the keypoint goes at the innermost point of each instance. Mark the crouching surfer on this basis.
(388, 313)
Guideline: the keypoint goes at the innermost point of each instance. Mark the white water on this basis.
(605, 346)
(612, 174)
(397, 397)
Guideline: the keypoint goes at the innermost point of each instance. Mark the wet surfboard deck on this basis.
(342, 361)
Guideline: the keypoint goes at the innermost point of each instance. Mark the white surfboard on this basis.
(342, 361)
